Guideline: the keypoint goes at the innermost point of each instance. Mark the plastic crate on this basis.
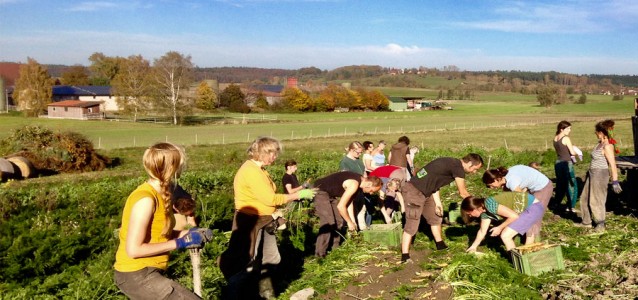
(454, 213)
(454, 216)
(384, 234)
(537, 258)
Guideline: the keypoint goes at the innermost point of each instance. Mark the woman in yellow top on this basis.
(252, 251)
(147, 235)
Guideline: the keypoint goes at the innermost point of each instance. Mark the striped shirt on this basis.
(598, 160)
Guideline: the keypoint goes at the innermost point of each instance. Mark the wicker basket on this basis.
(537, 258)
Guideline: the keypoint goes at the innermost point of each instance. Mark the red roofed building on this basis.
(75, 109)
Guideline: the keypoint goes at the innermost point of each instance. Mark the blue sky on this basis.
(573, 36)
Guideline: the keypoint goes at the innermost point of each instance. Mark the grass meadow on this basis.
(468, 120)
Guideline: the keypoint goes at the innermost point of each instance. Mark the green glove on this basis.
(306, 194)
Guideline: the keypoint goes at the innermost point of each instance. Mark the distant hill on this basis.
(374, 75)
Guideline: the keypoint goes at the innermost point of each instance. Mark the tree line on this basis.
(164, 86)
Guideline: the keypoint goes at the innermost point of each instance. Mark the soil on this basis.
(384, 277)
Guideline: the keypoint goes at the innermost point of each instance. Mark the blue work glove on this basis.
(615, 185)
(307, 194)
(195, 238)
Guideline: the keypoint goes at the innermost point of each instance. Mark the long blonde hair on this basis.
(165, 162)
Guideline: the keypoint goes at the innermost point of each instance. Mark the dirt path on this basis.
(385, 278)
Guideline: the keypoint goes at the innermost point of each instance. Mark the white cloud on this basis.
(394, 49)
(538, 17)
(93, 6)
(74, 47)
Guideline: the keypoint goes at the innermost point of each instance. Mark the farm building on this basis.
(271, 92)
(86, 93)
(415, 103)
(75, 109)
(398, 104)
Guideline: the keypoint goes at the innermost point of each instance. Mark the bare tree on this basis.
(173, 74)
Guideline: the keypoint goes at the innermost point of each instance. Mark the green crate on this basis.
(384, 234)
(454, 216)
(454, 213)
(538, 258)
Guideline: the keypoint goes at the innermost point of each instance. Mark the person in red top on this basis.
(392, 177)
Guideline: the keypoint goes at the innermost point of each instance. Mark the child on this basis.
(392, 200)
(184, 208)
(507, 205)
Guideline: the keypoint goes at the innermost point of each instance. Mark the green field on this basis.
(477, 116)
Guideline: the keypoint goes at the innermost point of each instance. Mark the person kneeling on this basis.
(531, 210)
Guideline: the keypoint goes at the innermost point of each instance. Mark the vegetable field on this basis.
(57, 233)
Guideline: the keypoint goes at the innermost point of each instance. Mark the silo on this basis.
(3, 96)
(291, 82)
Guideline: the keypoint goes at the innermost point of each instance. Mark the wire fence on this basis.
(231, 134)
